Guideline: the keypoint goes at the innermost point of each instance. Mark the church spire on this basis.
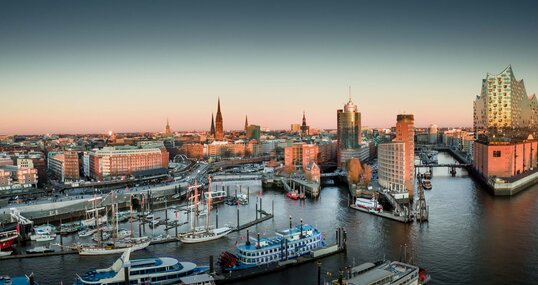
(167, 130)
(246, 123)
(212, 130)
(219, 125)
(304, 128)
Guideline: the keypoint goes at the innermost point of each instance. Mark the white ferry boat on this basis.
(287, 245)
(162, 270)
(385, 273)
(369, 204)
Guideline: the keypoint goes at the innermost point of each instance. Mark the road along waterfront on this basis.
(471, 237)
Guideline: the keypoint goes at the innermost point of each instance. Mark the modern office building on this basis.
(391, 161)
(405, 132)
(433, 134)
(505, 122)
(348, 133)
(503, 107)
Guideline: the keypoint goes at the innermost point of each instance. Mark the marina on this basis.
(331, 199)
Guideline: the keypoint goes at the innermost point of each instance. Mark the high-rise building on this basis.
(391, 165)
(503, 107)
(432, 134)
(505, 124)
(219, 130)
(405, 132)
(348, 132)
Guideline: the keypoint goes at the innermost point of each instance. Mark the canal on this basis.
(471, 237)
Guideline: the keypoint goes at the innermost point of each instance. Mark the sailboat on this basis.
(117, 245)
(202, 234)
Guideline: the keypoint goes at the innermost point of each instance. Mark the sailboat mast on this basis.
(195, 216)
(131, 213)
(112, 207)
(208, 202)
(96, 216)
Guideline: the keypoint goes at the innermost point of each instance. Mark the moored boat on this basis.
(287, 245)
(426, 184)
(383, 273)
(217, 196)
(39, 249)
(162, 270)
(18, 280)
(8, 235)
(66, 229)
(114, 248)
(294, 195)
(87, 232)
(369, 204)
(202, 234)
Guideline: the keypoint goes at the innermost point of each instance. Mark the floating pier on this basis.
(402, 219)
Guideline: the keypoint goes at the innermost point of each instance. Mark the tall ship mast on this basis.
(207, 233)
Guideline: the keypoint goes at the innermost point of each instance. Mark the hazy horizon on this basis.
(127, 66)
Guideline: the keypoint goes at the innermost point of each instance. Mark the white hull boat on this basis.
(204, 235)
(87, 232)
(112, 250)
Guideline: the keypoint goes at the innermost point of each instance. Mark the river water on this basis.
(471, 237)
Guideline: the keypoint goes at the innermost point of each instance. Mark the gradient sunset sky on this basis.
(93, 66)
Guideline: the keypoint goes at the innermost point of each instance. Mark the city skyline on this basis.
(78, 67)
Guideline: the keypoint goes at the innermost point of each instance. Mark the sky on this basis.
(94, 66)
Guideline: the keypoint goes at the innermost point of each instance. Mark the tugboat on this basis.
(286, 246)
(160, 270)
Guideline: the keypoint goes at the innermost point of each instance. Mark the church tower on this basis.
(219, 130)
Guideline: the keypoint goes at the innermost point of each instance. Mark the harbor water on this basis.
(471, 237)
